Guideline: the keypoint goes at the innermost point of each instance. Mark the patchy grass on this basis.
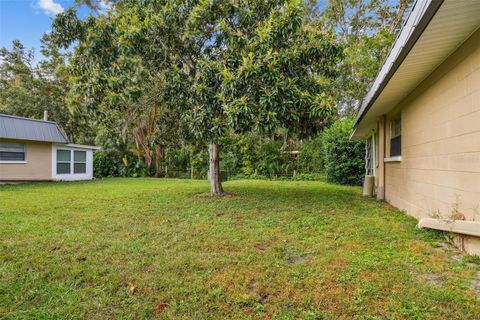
(472, 259)
(150, 248)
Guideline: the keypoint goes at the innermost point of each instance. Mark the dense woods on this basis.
(201, 89)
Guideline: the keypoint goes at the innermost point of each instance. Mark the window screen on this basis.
(80, 156)
(79, 168)
(63, 168)
(12, 151)
(63, 161)
(396, 127)
(80, 162)
(396, 136)
(63, 155)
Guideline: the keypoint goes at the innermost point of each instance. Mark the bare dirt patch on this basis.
(433, 278)
(475, 284)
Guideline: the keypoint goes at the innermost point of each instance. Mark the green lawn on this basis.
(152, 248)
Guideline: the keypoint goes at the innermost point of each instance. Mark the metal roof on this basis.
(432, 32)
(13, 127)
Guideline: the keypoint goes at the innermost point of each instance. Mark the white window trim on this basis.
(396, 158)
(13, 162)
(69, 162)
(72, 176)
(374, 160)
(393, 159)
(74, 162)
(374, 157)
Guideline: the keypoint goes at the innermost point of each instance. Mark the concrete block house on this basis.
(39, 150)
(421, 120)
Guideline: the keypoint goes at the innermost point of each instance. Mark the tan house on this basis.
(39, 150)
(421, 120)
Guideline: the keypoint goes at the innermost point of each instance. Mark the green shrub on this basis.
(269, 160)
(134, 169)
(310, 159)
(344, 161)
(111, 164)
(103, 166)
(308, 177)
(242, 176)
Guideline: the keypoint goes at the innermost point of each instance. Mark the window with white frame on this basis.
(79, 161)
(396, 136)
(10, 151)
(63, 161)
(370, 156)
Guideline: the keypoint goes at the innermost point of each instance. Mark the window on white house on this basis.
(63, 161)
(396, 136)
(370, 156)
(79, 162)
(12, 151)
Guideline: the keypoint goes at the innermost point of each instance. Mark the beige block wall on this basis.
(38, 166)
(440, 168)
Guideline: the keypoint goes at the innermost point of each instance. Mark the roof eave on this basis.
(82, 146)
(415, 30)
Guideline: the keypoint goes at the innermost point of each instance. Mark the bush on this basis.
(134, 169)
(253, 176)
(103, 166)
(308, 177)
(344, 161)
(311, 156)
(111, 164)
(253, 156)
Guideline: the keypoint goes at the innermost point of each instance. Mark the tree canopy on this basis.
(168, 85)
(28, 88)
(219, 66)
(366, 29)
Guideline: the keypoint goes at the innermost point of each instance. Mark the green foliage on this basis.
(311, 155)
(116, 158)
(218, 67)
(308, 177)
(109, 164)
(366, 29)
(153, 82)
(473, 259)
(104, 165)
(253, 155)
(344, 160)
(271, 158)
(28, 88)
(133, 168)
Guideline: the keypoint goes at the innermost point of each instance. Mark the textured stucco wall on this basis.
(38, 166)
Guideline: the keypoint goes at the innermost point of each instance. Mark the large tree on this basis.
(366, 29)
(28, 87)
(222, 65)
(113, 78)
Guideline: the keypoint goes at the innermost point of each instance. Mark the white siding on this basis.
(72, 176)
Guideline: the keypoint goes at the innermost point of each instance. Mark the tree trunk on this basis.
(214, 169)
(158, 159)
